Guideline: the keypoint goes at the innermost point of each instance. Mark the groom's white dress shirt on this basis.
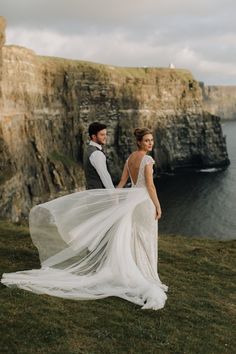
(98, 161)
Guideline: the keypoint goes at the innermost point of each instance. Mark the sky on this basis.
(198, 35)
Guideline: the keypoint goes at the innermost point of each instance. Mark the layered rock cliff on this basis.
(220, 101)
(2, 40)
(48, 103)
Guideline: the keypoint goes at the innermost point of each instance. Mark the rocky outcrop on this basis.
(48, 103)
(2, 40)
(220, 101)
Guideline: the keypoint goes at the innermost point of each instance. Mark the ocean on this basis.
(201, 203)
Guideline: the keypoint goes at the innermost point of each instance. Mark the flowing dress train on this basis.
(94, 244)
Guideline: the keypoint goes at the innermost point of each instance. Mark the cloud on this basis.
(72, 14)
(200, 36)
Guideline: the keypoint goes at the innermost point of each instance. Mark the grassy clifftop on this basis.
(135, 72)
(197, 318)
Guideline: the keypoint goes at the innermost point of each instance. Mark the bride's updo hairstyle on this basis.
(140, 132)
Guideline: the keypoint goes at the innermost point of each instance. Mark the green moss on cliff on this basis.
(5, 176)
(65, 160)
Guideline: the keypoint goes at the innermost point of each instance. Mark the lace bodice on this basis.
(141, 183)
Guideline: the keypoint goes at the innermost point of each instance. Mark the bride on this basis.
(101, 242)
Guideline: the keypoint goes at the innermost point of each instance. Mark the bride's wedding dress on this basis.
(94, 244)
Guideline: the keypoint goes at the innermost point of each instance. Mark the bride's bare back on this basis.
(133, 164)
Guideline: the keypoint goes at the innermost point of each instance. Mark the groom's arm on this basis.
(98, 161)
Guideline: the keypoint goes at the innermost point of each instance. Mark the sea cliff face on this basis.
(48, 103)
(2, 40)
(220, 101)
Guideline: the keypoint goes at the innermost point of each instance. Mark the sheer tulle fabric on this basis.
(94, 244)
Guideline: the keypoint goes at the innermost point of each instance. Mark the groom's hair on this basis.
(95, 127)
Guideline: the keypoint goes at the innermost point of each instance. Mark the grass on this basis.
(198, 317)
(116, 71)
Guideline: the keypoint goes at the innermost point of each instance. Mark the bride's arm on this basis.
(152, 189)
(124, 177)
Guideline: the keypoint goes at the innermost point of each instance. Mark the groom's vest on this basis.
(93, 180)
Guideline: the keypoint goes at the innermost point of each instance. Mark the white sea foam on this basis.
(210, 170)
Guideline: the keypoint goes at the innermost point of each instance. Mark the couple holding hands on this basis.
(102, 241)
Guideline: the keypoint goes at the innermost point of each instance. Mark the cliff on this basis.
(48, 103)
(2, 40)
(220, 101)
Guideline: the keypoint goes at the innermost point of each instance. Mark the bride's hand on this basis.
(158, 213)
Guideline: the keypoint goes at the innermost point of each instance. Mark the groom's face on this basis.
(100, 137)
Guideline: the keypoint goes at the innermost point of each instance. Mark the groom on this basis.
(95, 165)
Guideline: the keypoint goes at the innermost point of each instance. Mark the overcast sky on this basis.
(199, 35)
